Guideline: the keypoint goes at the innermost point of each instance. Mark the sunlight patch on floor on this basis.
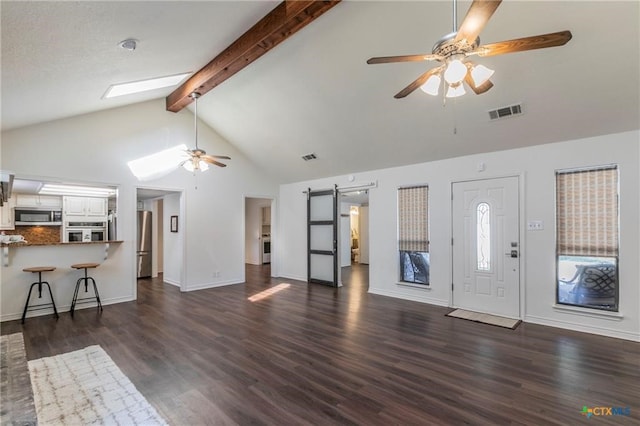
(268, 292)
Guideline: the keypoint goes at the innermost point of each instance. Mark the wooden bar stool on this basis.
(85, 279)
(39, 283)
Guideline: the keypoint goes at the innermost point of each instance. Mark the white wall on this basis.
(363, 222)
(345, 235)
(94, 148)
(253, 229)
(160, 234)
(173, 241)
(536, 166)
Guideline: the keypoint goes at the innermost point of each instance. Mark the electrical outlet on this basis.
(216, 274)
(535, 225)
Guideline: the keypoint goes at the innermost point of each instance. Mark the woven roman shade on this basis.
(413, 219)
(587, 212)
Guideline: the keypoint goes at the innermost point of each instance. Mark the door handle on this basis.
(513, 253)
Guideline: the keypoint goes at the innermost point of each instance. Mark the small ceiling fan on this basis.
(198, 159)
(453, 49)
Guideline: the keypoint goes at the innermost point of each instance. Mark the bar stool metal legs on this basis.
(85, 280)
(39, 283)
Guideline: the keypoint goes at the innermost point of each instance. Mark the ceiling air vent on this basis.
(505, 112)
(308, 157)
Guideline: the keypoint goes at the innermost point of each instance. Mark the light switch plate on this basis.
(535, 225)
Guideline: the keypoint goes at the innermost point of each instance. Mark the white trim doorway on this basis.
(150, 198)
(255, 231)
(353, 227)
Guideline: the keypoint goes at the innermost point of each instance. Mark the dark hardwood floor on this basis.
(317, 355)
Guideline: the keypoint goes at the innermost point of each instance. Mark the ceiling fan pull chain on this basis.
(455, 116)
(455, 16)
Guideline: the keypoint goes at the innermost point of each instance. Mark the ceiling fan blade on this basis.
(219, 157)
(208, 159)
(417, 83)
(526, 43)
(476, 18)
(479, 89)
(404, 58)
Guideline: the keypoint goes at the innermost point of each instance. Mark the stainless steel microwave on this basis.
(37, 217)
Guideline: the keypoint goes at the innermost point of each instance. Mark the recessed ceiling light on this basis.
(144, 85)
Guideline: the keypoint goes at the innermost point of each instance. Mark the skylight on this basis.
(132, 87)
(157, 164)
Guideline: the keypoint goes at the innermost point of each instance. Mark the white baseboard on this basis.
(417, 297)
(568, 325)
(172, 282)
(65, 308)
(213, 285)
(293, 277)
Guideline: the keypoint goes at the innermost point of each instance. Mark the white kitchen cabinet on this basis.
(74, 206)
(96, 206)
(89, 207)
(6, 214)
(38, 201)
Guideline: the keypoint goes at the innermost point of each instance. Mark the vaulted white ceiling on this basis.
(315, 92)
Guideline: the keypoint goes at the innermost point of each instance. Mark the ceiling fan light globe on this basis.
(455, 91)
(455, 72)
(480, 74)
(203, 166)
(188, 165)
(432, 85)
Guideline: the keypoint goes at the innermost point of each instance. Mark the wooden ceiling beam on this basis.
(274, 28)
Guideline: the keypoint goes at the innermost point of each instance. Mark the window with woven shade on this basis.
(413, 234)
(587, 237)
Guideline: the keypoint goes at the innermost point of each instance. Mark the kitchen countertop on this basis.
(5, 247)
(57, 244)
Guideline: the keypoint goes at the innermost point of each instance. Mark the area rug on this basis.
(485, 318)
(86, 387)
(16, 397)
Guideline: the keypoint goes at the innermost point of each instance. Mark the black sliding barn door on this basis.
(322, 236)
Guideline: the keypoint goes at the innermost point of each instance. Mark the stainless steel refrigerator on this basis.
(143, 248)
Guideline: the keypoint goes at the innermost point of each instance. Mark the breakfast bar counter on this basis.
(6, 247)
(28, 244)
(115, 273)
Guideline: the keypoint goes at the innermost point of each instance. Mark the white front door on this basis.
(486, 246)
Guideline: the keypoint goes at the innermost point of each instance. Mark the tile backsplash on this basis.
(37, 234)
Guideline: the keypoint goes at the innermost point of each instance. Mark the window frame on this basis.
(400, 251)
(615, 259)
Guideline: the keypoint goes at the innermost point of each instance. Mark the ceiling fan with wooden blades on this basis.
(198, 156)
(198, 159)
(453, 51)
